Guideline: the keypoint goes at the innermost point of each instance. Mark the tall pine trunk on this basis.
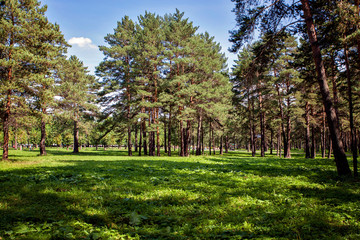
(76, 137)
(43, 134)
(288, 130)
(198, 138)
(157, 133)
(262, 126)
(165, 136)
(252, 127)
(129, 140)
(144, 137)
(182, 140)
(226, 144)
(351, 113)
(129, 143)
(330, 147)
(284, 135)
(169, 135)
(278, 147)
(153, 145)
(140, 137)
(202, 140)
(136, 137)
(210, 141)
(6, 126)
(313, 143)
(15, 140)
(187, 138)
(323, 135)
(339, 153)
(271, 141)
(151, 133)
(221, 145)
(307, 135)
(213, 140)
(7, 112)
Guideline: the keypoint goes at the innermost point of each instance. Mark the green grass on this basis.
(107, 195)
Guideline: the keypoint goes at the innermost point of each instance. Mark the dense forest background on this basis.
(162, 84)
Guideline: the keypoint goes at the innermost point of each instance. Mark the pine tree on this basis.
(210, 88)
(349, 20)
(287, 80)
(117, 73)
(47, 46)
(243, 89)
(150, 37)
(179, 32)
(76, 89)
(29, 46)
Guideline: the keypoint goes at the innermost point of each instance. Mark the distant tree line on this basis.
(162, 84)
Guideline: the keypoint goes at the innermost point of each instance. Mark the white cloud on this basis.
(82, 42)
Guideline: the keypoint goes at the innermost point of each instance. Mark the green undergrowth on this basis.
(107, 195)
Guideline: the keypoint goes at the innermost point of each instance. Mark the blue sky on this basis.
(85, 23)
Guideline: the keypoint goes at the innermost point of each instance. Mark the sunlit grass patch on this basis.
(112, 196)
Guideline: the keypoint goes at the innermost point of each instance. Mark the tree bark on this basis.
(330, 147)
(221, 145)
(307, 135)
(351, 113)
(140, 137)
(198, 139)
(339, 153)
(288, 130)
(6, 125)
(323, 135)
(151, 134)
(271, 141)
(202, 140)
(15, 138)
(187, 138)
(186, 141)
(193, 145)
(169, 135)
(226, 144)
(157, 132)
(153, 143)
(128, 94)
(165, 137)
(278, 150)
(262, 125)
(213, 140)
(182, 145)
(144, 137)
(43, 134)
(251, 126)
(7, 112)
(282, 125)
(313, 143)
(210, 136)
(136, 137)
(76, 137)
(129, 141)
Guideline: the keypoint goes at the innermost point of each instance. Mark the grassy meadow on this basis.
(107, 195)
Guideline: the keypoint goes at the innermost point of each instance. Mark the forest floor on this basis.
(107, 195)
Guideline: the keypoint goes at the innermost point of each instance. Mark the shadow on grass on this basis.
(219, 198)
(90, 152)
